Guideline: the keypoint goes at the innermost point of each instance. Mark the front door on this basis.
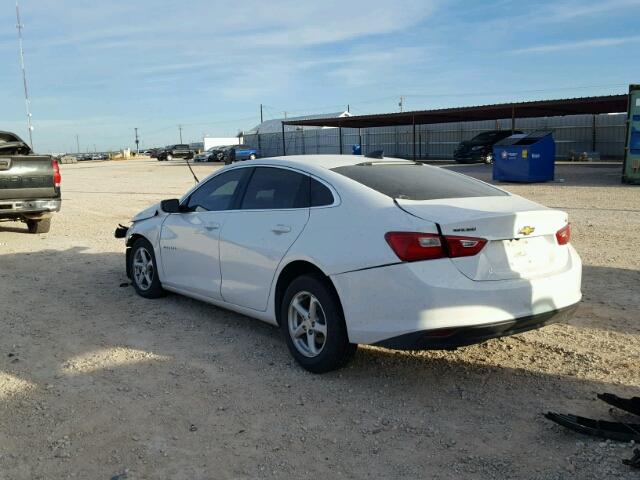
(189, 241)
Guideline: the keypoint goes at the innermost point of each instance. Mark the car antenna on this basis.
(191, 170)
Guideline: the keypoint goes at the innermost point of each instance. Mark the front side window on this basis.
(276, 188)
(218, 193)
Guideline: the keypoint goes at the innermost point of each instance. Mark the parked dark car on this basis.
(29, 184)
(480, 147)
(227, 154)
(174, 151)
(212, 154)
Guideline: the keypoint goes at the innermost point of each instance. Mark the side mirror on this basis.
(170, 206)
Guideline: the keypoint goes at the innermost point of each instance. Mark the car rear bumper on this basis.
(392, 301)
(29, 207)
(447, 339)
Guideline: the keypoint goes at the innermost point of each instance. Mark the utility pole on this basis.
(24, 77)
(285, 115)
(180, 130)
(137, 141)
(261, 117)
(348, 108)
(78, 142)
(401, 104)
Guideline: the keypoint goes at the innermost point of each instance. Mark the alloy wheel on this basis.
(143, 269)
(307, 324)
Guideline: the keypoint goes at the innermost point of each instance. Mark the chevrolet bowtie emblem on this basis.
(527, 230)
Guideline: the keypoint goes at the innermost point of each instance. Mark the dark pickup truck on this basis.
(174, 151)
(29, 184)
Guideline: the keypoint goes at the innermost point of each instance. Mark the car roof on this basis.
(322, 162)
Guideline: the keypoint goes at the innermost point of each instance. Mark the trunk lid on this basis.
(520, 234)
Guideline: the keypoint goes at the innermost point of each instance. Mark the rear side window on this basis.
(275, 188)
(320, 194)
(412, 181)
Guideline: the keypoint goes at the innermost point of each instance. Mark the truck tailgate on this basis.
(26, 177)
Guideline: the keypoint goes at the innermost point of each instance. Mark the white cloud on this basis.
(582, 44)
(573, 10)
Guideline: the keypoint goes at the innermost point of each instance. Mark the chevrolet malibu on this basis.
(345, 250)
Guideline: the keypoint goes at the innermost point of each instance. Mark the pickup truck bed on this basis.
(29, 184)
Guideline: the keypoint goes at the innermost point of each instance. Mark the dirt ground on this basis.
(98, 383)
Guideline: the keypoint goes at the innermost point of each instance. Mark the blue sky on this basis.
(99, 69)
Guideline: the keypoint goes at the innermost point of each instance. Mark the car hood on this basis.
(148, 213)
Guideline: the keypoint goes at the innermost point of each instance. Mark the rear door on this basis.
(189, 241)
(254, 239)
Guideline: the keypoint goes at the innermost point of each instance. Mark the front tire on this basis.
(313, 326)
(252, 156)
(39, 226)
(144, 271)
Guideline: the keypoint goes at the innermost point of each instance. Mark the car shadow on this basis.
(10, 228)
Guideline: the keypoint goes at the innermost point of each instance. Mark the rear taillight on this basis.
(57, 178)
(410, 246)
(564, 234)
(464, 246)
(414, 246)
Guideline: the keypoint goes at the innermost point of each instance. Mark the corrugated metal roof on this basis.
(275, 125)
(538, 108)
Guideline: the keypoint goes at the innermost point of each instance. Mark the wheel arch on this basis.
(293, 270)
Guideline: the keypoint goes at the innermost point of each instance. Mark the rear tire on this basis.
(39, 226)
(169, 157)
(317, 340)
(144, 271)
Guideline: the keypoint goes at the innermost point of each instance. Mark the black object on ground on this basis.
(633, 462)
(631, 405)
(624, 432)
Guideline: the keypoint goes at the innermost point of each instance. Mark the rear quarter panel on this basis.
(350, 234)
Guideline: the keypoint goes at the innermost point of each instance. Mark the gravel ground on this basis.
(96, 382)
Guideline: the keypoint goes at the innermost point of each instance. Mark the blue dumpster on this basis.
(525, 158)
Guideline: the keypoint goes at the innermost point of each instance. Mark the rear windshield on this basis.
(411, 181)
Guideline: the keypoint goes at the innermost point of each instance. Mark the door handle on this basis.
(281, 229)
(212, 226)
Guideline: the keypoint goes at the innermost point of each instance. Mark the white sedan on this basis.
(345, 250)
